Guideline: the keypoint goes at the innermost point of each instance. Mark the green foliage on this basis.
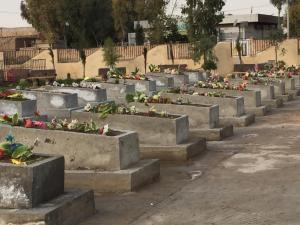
(295, 18)
(278, 4)
(139, 35)
(203, 18)
(276, 38)
(110, 54)
(23, 84)
(89, 21)
(153, 68)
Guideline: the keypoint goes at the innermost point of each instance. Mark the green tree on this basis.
(278, 4)
(43, 15)
(139, 35)
(276, 38)
(295, 18)
(203, 17)
(91, 19)
(110, 56)
(82, 56)
(121, 17)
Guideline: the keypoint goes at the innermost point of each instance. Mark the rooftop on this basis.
(250, 18)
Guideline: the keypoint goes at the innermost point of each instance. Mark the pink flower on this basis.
(40, 124)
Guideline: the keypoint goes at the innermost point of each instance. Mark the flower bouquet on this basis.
(56, 124)
(11, 95)
(16, 153)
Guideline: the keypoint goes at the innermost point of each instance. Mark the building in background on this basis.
(18, 38)
(256, 26)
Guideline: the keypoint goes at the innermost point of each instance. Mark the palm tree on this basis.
(278, 4)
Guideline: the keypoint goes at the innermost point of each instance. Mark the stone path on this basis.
(249, 179)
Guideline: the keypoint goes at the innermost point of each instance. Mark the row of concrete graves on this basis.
(32, 190)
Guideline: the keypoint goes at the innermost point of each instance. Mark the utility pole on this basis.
(288, 18)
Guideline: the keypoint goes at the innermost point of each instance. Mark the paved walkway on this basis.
(252, 178)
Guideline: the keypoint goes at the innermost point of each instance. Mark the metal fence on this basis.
(72, 55)
(14, 57)
(33, 64)
(132, 51)
(251, 47)
(180, 51)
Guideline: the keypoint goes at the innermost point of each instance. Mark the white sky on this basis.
(10, 10)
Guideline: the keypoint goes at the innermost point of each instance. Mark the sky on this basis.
(10, 10)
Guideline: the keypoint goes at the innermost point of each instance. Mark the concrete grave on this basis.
(290, 87)
(160, 137)
(25, 108)
(146, 86)
(35, 194)
(85, 95)
(162, 82)
(281, 92)
(179, 79)
(53, 104)
(252, 99)
(268, 96)
(231, 109)
(206, 116)
(115, 92)
(109, 158)
(195, 76)
(24, 187)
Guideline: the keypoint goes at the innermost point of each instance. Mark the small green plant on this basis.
(153, 68)
(23, 84)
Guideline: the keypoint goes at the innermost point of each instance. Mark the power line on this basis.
(259, 6)
(8, 12)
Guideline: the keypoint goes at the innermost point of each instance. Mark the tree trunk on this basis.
(279, 20)
(83, 71)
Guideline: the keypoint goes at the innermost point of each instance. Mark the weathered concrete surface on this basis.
(53, 104)
(137, 175)
(147, 86)
(24, 108)
(24, 187)
(251, 178)
(71, 208)
(151, 130)
(252, 99)
(81, 150)
(85, 95)
(162, 81)
(200, 115)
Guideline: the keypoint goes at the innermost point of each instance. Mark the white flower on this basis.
(105, 129)
(73, 125)
(195, 93)
(62, 85)
(74, 84)
(88, 107)
(132, 109)
(55, 83)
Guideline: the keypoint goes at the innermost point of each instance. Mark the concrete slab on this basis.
(242, 121)
(214, 134)
(181, 152)
(258, 111)
(71, 208)
(24, 108)
(130, 179)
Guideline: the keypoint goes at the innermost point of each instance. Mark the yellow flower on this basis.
(16, 162)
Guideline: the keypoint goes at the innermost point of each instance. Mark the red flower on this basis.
(2, 153)
(28, 123)
(37, 113)
(101, 130)
(5, 117)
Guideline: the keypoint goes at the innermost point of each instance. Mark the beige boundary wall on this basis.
(158, 56)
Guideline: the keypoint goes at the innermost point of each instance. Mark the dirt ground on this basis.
(249, 179)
